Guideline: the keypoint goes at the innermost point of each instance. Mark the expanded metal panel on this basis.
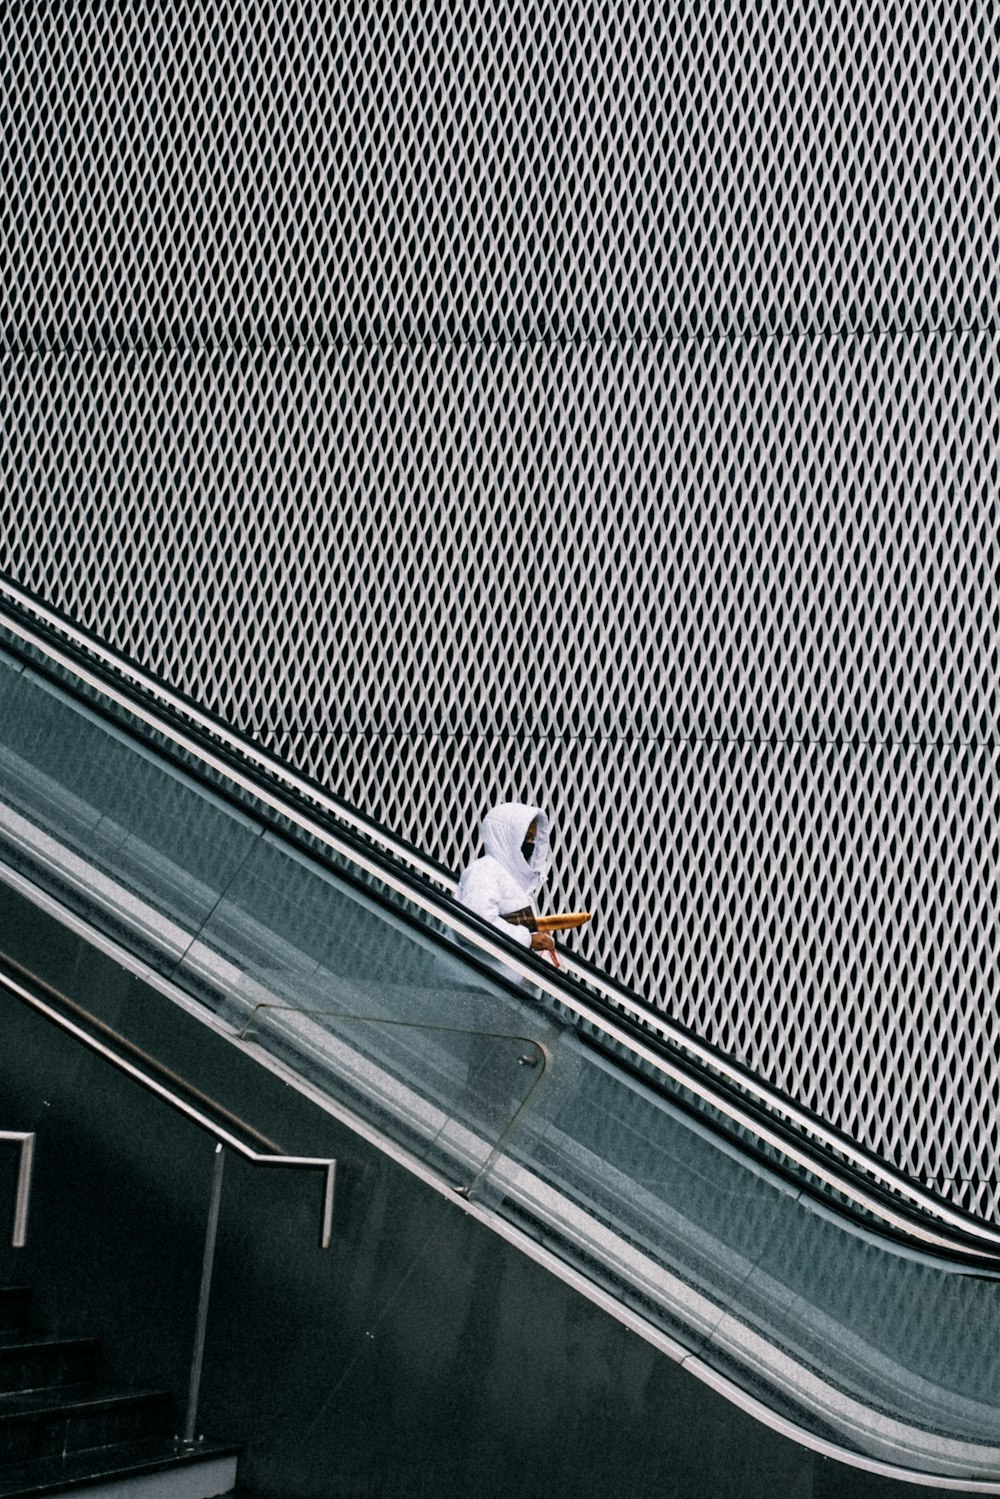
(582, 402)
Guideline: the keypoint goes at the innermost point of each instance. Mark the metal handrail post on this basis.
(26, 1140)
(201, 1321)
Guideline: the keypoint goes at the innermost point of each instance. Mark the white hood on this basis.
(503, 831)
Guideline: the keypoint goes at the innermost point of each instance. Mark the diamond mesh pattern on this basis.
(568, 400)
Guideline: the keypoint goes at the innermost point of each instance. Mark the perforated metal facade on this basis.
(594, 402)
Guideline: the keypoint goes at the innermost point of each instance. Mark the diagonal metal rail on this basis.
(224, 1137)
(221, 1134)
(432, 899)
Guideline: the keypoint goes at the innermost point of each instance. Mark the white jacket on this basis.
(503, 881)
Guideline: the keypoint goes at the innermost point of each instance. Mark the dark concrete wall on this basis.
(421, 1357)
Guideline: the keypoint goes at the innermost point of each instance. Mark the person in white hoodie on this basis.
(506, 880)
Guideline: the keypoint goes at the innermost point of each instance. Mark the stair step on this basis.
(15, 1307)
(38, 1361)
(76, 1418)
(208, 1469)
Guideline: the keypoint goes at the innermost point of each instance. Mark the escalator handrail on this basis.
(438, 903)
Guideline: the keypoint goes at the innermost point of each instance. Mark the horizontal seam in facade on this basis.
(665, 739)
(528, 341)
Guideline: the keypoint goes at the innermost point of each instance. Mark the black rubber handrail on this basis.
(851, 1169)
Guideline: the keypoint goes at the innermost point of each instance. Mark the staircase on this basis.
(61, 1431)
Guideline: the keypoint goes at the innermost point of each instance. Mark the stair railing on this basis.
(223, 1137)
(22, 1192)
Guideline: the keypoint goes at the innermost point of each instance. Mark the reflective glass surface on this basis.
(347, 981)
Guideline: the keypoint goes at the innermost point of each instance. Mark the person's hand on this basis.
(542, 942)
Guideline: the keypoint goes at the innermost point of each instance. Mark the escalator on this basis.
(778, 1261)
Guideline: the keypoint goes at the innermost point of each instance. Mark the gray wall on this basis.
(589, 403)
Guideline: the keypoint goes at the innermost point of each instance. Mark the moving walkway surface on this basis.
(833, 1300)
